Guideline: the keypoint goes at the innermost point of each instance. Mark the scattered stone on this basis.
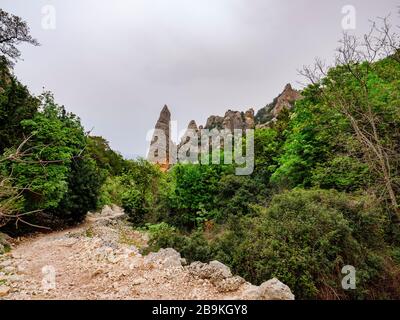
(168, 258)
(215, 271)
(275, 290)
(104, 267)
(9, 269)
(138, 281)
(15, 278)
(251, 293)
(5, 263)
(222, 270)
(4, 290)
(230, 284)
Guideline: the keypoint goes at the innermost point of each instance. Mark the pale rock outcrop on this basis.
(4, 290)
(268, 115)
(275, 290)
(192, 127)
(221, 277)
(232, 120)
(270, 290)
(218, 274)
(162, 148)
(286, 100)
(168, 258)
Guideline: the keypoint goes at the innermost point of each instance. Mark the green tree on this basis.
(106, 158)
(85, 180)
(141, 185)
(194, 188)
(55, 141)
(16, 104)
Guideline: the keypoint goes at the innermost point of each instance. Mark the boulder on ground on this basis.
(270, 290)
(230, 284)
(165, 257)
(4, 290)
(275, 290)
(214, 271)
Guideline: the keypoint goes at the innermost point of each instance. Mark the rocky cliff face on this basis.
(286, 100)
(232, 120)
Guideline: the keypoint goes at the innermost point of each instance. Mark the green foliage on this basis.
(315, 132)
(193, 192)
(237, 195)
(84, 184)
(56, 138)
(48, 166)
(141, 183)
(305, 238)
(111, 192)
(342, 173)
(106, 158)
(193, 247)
(16, 104)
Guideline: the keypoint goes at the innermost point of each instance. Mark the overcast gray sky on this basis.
(115, 63)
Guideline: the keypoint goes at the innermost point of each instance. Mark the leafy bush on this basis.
(305, 238)
(106, 158)
(111, 192)
(16, 104)
(56, 138)
(84, 183)
(194, 188)
(141, 189)
(193, 247)
(343, 173)
(236, 196)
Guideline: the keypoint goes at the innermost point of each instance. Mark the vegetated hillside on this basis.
(324, 193)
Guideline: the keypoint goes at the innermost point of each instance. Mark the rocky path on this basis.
(100, 260)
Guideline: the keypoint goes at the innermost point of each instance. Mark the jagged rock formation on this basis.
(191, 131)
(232, 120)
(161, 147)
(163, 151)
(269, 113)
(214, 122)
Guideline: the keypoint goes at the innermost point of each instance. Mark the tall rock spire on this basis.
(161, 144)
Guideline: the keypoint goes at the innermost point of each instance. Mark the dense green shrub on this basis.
(56, 137)
(141, 183)
(194, 247)
(84, 184)
(48, 167)
(305, 238)
(236, 195)
(106, 158)
(342, 173)
(194, 187)
(111, 192)
(16, 104)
